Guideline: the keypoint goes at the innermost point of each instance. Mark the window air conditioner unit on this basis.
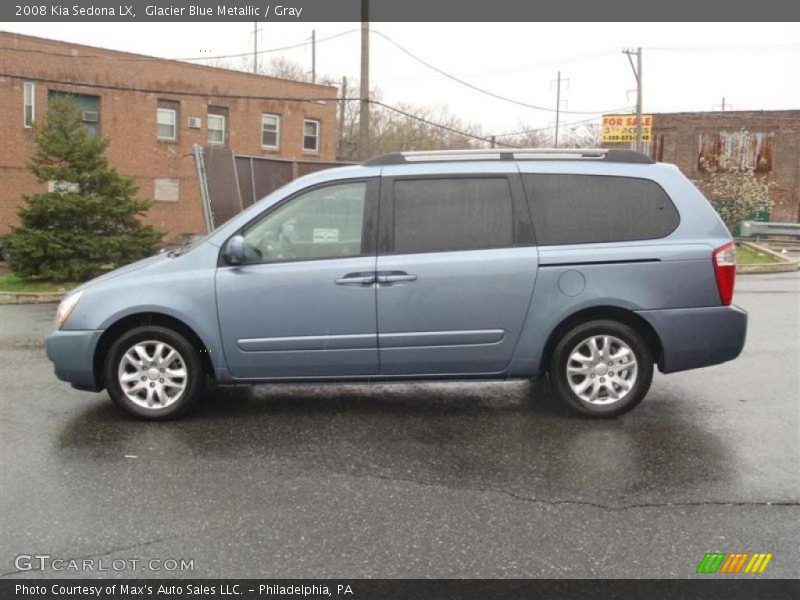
(90, 116)
(195, 122)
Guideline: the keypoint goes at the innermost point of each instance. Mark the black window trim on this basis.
(531, 199)
(369, 225)
(523, 233)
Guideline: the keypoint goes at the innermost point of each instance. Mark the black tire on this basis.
(572, 339)
(194, 381)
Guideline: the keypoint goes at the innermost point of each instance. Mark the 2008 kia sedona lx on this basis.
(590, 266)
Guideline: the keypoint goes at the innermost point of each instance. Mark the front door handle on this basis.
(357, 279)
(395, 277)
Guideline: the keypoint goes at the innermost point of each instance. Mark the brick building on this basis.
(154, 111)
(766, 141)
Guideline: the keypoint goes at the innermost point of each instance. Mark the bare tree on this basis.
(527, 136)
(584, 135)
(287, 69)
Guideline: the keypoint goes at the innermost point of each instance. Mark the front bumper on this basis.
(72, 354)
(698, 337)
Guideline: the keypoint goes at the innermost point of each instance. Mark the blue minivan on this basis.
(587, 266)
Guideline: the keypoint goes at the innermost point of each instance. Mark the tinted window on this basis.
(452, 214)
(576, 209)
(322, 223)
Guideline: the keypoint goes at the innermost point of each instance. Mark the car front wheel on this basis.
(154, 373)
(601, 368)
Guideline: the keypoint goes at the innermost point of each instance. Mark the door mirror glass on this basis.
(234, 250)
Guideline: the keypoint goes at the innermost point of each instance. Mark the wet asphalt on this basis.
(413, 480)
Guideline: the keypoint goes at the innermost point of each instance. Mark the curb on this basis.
(784, 266)
(30, 298)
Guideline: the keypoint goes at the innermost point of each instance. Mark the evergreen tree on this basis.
(90, 221)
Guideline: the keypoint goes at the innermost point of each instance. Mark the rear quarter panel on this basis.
(672, 272)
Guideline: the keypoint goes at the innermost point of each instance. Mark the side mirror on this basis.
(234, 250)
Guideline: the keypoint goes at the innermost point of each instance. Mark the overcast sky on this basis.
(686, 66)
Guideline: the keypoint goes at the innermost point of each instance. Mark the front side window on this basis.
(582, 209)
(323, 223)
(435, 215)
(216, 129)
(311, 135)
(29, 103)
(167, 120)
(270, 131)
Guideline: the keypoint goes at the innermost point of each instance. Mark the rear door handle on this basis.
(395, 277)
(357, 279)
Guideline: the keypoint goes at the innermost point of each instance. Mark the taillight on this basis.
(724, 259)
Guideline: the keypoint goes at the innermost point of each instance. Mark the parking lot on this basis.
(416, 480)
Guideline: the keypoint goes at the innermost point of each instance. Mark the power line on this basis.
(439, 125)
(189, 58)
(478, 89)
(779, 48)
(509, 70)
(561, 126)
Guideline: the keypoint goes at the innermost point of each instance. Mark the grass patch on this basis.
(12, 283)
(748, 256)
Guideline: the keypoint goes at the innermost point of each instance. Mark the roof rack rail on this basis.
(604, 154)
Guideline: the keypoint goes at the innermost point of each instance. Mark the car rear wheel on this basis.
(601, 368)
(154, 373)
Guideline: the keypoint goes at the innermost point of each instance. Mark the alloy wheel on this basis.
(152, 374)
(601, 370)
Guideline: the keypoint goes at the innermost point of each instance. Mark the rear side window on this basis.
(580, 209)
(433, 215)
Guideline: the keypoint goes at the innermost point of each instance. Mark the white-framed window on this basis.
(167, 119)
(311, 135)
(216, 129)
(270, 130)
(29, 103)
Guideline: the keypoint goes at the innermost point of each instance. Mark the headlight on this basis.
(65, 308)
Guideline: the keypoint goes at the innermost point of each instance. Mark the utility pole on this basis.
(637, 73)
(494, 141)
(639, 99)
(558, 108)
(723, 107)
(255, 46)
(313, 56)
(363, 118)
(342, 106)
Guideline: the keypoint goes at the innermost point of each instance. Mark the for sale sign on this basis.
(622, 128)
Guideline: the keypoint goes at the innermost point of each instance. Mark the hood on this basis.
(139, 264)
